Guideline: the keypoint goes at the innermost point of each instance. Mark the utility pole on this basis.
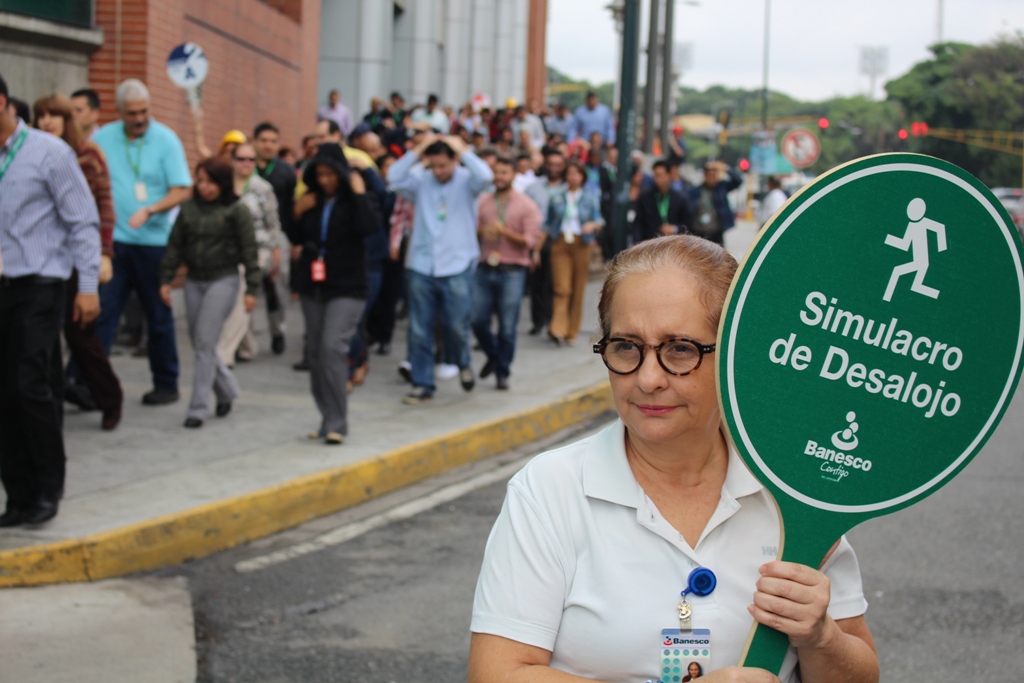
(651, 89)
(764, 89)
(939, 21)
(667, 81)
(626, 132)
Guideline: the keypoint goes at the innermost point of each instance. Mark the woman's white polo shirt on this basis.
(581, 563)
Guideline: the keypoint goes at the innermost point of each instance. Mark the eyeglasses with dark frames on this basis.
(677, 356)
(250, 160)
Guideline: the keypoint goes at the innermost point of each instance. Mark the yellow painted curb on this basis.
(227, 523)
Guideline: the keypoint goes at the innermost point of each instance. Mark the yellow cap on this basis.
(235, 136)
(511, 103)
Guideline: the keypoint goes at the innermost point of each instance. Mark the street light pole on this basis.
(651, 88)
(764, 89)
(667, 81)
(626, 131)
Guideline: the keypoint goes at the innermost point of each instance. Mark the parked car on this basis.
(1013, 200)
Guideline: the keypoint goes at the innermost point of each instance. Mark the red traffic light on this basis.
(918, 128)
(823, 123)
(902, 134)
(744, 165)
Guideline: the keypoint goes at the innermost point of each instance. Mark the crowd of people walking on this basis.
(451, 217)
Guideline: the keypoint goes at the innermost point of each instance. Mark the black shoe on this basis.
(502, 383)
(384, 349)
(405, 373)
(466, 379)
(487, 369)
(193, 422)
(417, 396)
(160, 396)
(12, 517)
(223, 408)
(277, 344)
(43, 512)
(79, 395)
(534, 331)
(301, 366)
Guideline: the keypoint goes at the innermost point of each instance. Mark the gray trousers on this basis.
(330, 326)
(208, 305)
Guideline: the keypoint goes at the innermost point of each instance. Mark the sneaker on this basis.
(405, 371)
(487, 369)
(277, 344)
(160, 396)
(417, 396)
(466, 379)
(446, 371)
(333, 438)
(502, 383)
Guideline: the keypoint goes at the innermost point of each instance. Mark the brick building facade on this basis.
(263, 61)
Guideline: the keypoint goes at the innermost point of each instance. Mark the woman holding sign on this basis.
(647, 548)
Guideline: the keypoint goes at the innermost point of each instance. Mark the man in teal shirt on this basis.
(149, 176)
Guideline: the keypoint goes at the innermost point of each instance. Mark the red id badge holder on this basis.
(318, 270)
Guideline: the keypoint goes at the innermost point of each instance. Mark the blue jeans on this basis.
(137, 267)
(498, 291)
(357, 347)
(447, 300)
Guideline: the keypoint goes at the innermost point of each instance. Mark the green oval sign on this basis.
(871, 342)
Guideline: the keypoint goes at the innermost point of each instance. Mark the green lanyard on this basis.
(137, 166)
(502, 211)
(269, 169)
(663, 208)
(10, 155)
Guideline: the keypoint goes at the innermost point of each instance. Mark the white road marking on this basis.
(404, 511)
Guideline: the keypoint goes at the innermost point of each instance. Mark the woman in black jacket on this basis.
(331, 279)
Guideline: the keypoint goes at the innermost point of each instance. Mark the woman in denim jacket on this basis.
(574, 219)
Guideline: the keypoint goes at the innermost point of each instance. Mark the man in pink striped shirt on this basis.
(509, 226)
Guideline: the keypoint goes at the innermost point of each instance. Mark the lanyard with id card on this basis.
(318, 269)
(685, 652)
(141, 193)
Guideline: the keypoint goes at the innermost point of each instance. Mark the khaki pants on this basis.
(236, 329)
(570, 268)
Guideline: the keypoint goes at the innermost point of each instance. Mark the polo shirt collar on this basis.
(608, 476)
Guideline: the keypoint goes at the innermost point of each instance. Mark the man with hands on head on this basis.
(662, 210)
(149, 176)
(442, 251)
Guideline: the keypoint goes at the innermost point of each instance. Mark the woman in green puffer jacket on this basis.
(212, 235)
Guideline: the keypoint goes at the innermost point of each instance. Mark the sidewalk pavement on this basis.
(153, 493)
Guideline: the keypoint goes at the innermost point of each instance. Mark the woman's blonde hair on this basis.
(711, 266)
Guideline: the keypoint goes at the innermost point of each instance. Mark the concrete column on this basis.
(417, 65)
(481, 74)
(355, 51)
(536, 52)
(457, 45)
(503, 50)
(521, 29)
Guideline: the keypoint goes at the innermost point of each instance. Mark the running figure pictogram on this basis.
(915, 239)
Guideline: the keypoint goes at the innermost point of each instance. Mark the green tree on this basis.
(968, 88)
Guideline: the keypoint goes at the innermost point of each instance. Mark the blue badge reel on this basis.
(685, 651)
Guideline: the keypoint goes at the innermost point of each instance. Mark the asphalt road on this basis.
(393, 604)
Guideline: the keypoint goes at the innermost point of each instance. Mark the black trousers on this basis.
(31, 391)
(88, 358)
(542, 291)
(380, 324)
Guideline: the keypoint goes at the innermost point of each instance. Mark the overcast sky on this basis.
(815, 44)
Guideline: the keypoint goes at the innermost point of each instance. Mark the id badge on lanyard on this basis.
(685, 652)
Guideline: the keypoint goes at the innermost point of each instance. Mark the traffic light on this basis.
(744, 165)
(823, 123)
(902, 135)
(918, 128)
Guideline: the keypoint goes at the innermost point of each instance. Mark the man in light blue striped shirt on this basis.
(442, 252)
(49, 224)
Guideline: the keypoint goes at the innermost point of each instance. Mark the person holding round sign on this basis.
(648, 546)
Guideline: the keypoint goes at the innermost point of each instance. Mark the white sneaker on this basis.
(446, 371)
